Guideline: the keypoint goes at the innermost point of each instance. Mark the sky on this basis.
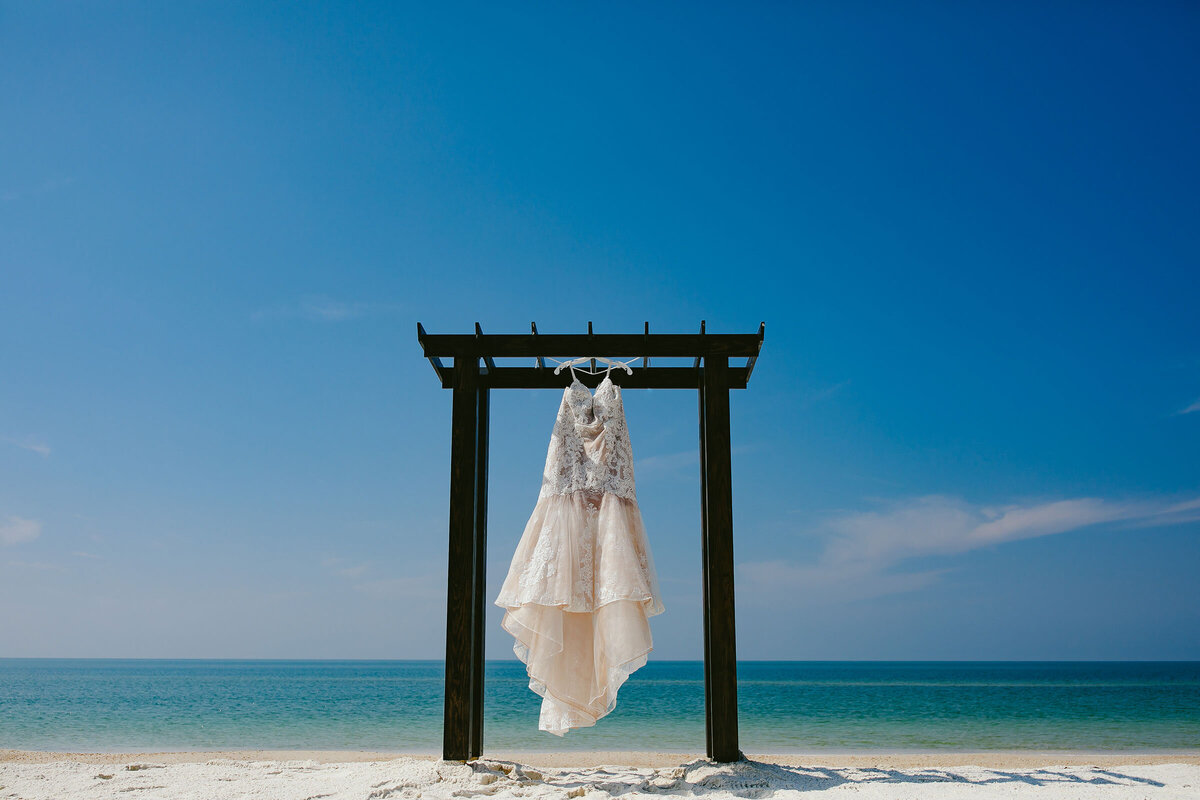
(970, 228)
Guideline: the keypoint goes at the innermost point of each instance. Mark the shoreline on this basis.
(639, 759)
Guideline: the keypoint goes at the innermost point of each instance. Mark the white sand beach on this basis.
(28, 775)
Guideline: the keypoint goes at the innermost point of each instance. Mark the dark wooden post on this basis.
(460, 606)
(479, 554)
(720, 667)
(708, 742)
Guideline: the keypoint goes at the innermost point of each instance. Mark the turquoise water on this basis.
(69, 704)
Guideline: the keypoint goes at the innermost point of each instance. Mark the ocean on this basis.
(119, 705)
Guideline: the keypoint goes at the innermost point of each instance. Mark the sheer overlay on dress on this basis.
(582, 586)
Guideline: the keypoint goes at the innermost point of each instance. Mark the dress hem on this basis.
(538, 684)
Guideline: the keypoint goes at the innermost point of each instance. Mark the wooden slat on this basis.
(540, 362)
(762, 332)
(487, 359)
(479, 557)
(438, 367)
(696, 364)
(590, 346)
(614, 345)
(456, 733)
(718, 489)
(646, 359)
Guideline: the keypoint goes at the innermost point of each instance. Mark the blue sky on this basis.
(970, 229)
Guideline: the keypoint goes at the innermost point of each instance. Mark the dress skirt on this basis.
(577, 599)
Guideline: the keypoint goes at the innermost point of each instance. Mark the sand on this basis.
(27, 775)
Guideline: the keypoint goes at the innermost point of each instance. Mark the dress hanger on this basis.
(611, 363)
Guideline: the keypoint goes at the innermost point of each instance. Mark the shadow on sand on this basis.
(757, 779)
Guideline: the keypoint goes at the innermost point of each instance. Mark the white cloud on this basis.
(31, 444)
(937, 524)
(685, 462)
(324, 309)
(1187, 505)
(864, 551)
(1193, 407)
(319, 308)
(822, 394)
(782, 584)
(16, 530)
(45, 187)
(38, 565)
(424, 590)
(340, 566)
(668, 463)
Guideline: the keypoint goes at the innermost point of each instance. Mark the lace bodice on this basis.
(589, 447)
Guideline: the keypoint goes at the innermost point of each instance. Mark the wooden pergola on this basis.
(710, 373)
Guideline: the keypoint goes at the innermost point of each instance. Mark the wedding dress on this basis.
(582, 585)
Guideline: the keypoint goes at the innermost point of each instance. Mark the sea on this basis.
(142, 705)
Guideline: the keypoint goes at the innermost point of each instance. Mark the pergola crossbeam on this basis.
(613, 345)
(542, 378)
